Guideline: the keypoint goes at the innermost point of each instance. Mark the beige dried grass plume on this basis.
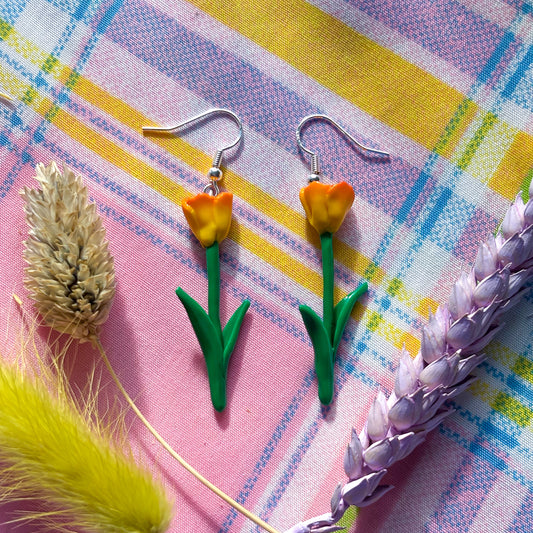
(70, 272)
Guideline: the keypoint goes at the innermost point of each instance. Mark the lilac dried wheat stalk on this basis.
(450, 350)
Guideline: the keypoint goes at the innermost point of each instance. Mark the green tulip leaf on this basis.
(342, 313)
(323, 353)
(203, 327)
(232, 329)
(210, 343)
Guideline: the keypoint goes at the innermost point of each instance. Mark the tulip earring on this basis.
(209, 217)
(325, 207)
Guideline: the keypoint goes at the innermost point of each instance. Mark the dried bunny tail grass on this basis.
(70, 272)
(55, 450)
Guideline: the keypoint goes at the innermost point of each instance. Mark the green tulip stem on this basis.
(217, 344)
(213, 286)
(326, 240)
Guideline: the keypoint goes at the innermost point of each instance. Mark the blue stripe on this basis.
(292, 467)
(110, 15)
(269, 449)
(349, 367)
(182, 229)
(82, 8)
(258, 308)
(257, 279)
(523, 520)
(518, 75)
(417, 195)
(236, 85)
(490, 429)
(520, 388)
(487, 456)
(11, 10)
(435, 213)
(451, 514)
(421, 227)
(12, 175)
(496, 57)
(493, 371)
(413, 195)
(62, 96)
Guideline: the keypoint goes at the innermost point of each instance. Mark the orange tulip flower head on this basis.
(326, 205)
(209, 217)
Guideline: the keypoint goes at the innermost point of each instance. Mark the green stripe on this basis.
(525, 185)
(452, 125)
(486, 125)
(512, 409)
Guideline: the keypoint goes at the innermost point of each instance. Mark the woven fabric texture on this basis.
(445, 86)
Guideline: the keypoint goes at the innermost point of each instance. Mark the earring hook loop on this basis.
(214, 174)
(315, 162)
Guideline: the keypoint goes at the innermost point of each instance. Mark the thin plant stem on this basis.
(213, 283)
(238, 507)
(326, 241)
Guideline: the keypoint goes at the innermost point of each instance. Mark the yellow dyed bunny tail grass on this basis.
(52, 452)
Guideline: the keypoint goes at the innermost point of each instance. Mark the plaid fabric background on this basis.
(445, 86)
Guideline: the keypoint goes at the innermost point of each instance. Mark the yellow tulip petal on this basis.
(222, 214)
(340, 199)
(326, 205)
(209, 217)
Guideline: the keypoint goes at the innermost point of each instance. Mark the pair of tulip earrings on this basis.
(209, 217)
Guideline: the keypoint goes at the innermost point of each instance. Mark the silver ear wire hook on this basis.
(315, 165)
(214, 174)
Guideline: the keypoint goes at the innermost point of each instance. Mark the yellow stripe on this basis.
(512, 409)
(501, 354)
(503, 403)
(257, 198)
(26, 48)
(300, 273)
(481, 390)
(375, 322)
(456, 128)
(169, 189)
(254, 196)
(131, 118)
(282, 261)
(427, 304)
(514, 167)
(487, 123)
(517, 363)
(524, 368)
(375, 79)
